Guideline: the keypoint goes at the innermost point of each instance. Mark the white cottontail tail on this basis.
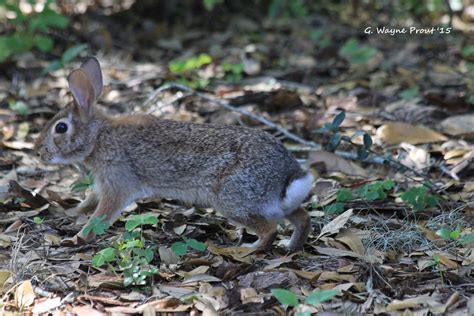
(245, 174)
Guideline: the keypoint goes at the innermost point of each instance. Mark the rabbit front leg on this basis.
(86, 206)
(111, 205)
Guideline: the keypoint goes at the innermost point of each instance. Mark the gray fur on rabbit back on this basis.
(237, 170)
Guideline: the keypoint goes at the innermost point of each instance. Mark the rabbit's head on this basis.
(70, 135)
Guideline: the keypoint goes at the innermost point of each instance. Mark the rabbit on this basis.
(245, 174)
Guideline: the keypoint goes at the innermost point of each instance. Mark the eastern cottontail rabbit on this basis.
(245, 174)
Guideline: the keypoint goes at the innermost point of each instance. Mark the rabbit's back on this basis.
(201, 163)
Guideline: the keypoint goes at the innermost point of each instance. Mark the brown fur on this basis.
(243, 173)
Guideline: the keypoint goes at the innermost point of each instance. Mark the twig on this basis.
(223, 104)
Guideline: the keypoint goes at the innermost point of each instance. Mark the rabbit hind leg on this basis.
(266, 232)
(301, 222)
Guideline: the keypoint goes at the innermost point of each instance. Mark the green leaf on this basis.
(19, 107)
(469, 100)
(193, 243)
(344, 195)
(141, 219)
(319, 297)
(444, 233)
(334, 142)
(72, 52)
(83, 183)
(210, 4)
(362, 153)
(367, 141)
(409, 93)
(388, 184)
(455, 234)
(38, 220)
(469, 238)
(97, 225)
(103, 256)
(337, 121)
(46, 19)
(5, 50)
(334, 208)
(467, 51)
(149, 254)
(285, 297)
(53, 66)
(357, 53)
(181, 66)
(44, 43)
(179, 248)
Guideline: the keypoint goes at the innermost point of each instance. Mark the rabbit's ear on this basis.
(92, 69)
(82, 90)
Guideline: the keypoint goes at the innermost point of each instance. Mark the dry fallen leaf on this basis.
(397, 132)
(24, 295)
(46, 305)
(336, 224)
(352, 240)
(459, 125)
(334, 163)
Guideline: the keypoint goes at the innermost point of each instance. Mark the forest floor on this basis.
(385, 239)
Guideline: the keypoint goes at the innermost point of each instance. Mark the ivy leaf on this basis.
(285, 297)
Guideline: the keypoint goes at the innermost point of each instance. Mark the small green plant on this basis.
(320, 38)
(97, 225)
(288, 298)
(436, 261)
(376, 190)
(19, 107)
(449, 234)
(38, 220)
(233, 72)
(29, 29)
(19, 200)
(186, 70)
(468, 51)
(66, 57)
(210, 4)
(130, 254)
(370, 192)
(83, 183)
(418, 198)
(467, 239)
(356, 53)
(180, 248)
(343, 195)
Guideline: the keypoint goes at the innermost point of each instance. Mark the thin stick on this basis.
(223, 104)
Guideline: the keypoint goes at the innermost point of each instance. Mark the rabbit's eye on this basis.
(61, 128)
